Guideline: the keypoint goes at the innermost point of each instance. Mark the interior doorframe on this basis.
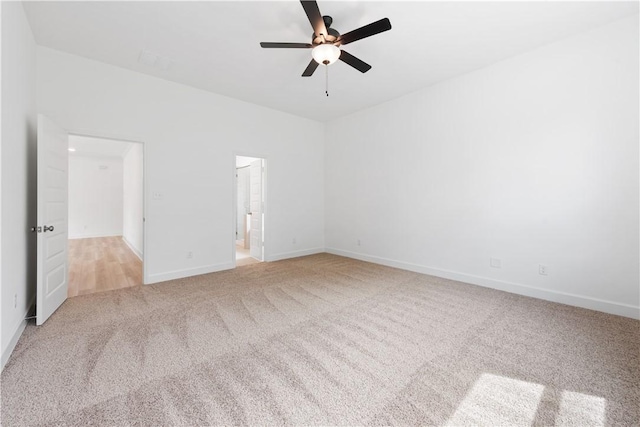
(145, 189)
(234, 203)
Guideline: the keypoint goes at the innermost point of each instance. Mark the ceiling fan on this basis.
(326, 41)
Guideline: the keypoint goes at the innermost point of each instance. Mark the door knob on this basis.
(48, 228)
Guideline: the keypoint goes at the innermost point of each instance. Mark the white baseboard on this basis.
(133, 248)
(6, 352)
(597, 304)
(294, 254)
(92, 236)
(188, 272)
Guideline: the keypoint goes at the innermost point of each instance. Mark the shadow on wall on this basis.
(32, 207)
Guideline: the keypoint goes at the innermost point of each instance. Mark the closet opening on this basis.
(249, 208)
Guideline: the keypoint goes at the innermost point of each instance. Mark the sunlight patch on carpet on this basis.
(497, 400)
(581, 409)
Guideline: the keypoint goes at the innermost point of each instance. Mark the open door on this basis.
(255, 202)
(53, 165)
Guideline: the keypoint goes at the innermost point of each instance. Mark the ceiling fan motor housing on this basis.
(327, 38)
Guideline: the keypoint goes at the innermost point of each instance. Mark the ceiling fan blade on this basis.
(315, 17)
(363, 32)
(308, 72)
(356, 63)
(286, 45)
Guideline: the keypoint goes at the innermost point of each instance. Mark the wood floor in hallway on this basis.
(243, 256)
(102, 264)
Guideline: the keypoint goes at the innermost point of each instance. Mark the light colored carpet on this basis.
(322, 340)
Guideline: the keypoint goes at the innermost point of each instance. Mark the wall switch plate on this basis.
(294, 241)
(542, 270)
(495, 263)
(359, 243)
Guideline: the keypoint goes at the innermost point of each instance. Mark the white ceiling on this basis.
(215, 45)
(97, 147)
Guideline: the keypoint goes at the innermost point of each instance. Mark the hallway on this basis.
(102, 264)
(243, 256)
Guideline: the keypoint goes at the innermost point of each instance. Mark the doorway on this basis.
(106, 220)
(249, 208)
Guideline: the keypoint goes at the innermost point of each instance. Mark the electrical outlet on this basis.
(359, 243)
(294, 241)
(189, 254)
(495, 262)
(15, 300)
(157, 195)
(542, 270)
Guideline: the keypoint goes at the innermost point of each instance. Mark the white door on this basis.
(255, 202)
(53, 163)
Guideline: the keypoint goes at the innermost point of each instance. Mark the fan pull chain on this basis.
(326, 73)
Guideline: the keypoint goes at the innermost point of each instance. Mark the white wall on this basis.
(18, 174)
(95, 196)
(533, 160)
(191, 138)
(133, 198)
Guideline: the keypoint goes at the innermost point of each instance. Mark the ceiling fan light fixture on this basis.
(325, 53)
(326, 42)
